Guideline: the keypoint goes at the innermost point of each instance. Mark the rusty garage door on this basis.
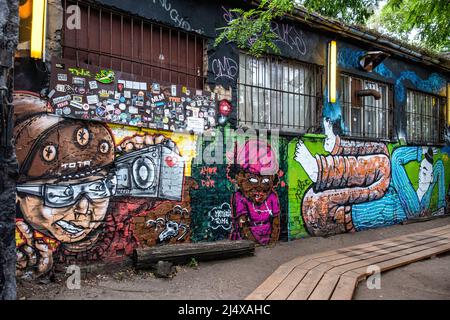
(113, 39)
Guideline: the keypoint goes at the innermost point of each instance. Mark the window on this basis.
(274, 94)
(113, 39)
(368, 116)
(424, 113)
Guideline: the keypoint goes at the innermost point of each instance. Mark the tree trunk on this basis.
(9, 34)
(145, 258)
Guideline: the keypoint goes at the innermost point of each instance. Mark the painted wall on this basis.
(79, 197)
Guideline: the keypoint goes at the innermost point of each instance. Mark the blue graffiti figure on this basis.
(402, 201)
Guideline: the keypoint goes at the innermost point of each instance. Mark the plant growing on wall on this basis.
(424, 22)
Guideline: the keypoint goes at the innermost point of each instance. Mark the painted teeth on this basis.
(69, 227)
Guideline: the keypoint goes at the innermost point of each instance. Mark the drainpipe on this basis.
(9, 34)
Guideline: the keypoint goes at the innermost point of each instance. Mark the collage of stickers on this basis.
(106, 95)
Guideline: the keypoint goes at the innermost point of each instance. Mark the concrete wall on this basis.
(291, 187)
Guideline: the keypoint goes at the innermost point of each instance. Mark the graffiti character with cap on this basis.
(64, 184)
(256, 209)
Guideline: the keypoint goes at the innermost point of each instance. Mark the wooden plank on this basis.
(284, 289)
(342, 290)
(144, 257)
(345, 288)
(357, 266)
(273, 282)
(308, 283)
(327, 284)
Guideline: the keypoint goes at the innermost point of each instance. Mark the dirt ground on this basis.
(236, 278)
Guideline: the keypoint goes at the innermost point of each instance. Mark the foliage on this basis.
(251, 29)
(430, 19)
(349, 11)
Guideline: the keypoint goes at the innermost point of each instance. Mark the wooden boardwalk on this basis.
(335, 274)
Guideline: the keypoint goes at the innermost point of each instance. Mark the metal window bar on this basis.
(134, 45)
(274, 95)
(372, 118)
(424, 118)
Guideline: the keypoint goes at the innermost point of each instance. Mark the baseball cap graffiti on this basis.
(257, 157)
(48, 146)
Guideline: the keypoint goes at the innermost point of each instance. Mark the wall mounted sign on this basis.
(91, 93)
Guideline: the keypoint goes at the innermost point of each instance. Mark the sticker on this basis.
(62, 77)
(128, 84)
(78, 81)
(93, 85)
(51, 93)
(127, 94)
(117, 95)
(122, 106)
(80, 72)
(173, 90)
(136, 85)
(86, 106)
(110, 107)
(156, 88)
(60, 65)
(120, 87)
(133, 110)
(198, 92)
(60, 88)
(105, 76)
(76, 104)
(100, 111)
(77, 98)
(67, 111)
(143, 86)
(62, 104)
(93, 99)
(58, 112)
(63, 98)
(195, 124)
(103, 94)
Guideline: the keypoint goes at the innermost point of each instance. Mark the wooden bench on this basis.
(335, 274)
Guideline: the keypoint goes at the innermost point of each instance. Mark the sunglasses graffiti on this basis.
(86, 189)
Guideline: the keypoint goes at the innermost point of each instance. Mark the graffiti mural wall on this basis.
(111, 161)
(340, 185)
(88, 190)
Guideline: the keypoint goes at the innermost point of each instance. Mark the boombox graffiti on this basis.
(139, 173)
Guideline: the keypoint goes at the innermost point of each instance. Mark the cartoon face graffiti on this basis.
(426, 171)
(67, 211)
(255, 187)
(256, 206)
(63, 189)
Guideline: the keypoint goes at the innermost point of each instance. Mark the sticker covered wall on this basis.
(91, 93)
(89, 191)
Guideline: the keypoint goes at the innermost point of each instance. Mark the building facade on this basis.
(137, 131)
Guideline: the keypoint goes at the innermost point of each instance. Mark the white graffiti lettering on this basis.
(224, 68)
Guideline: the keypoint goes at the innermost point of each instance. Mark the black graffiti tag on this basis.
(285, 33)
(224, 68)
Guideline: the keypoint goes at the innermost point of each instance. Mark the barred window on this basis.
(275, 94)
(424, 113)
(368, 116)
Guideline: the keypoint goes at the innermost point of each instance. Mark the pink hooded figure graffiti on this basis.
(255, 205)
